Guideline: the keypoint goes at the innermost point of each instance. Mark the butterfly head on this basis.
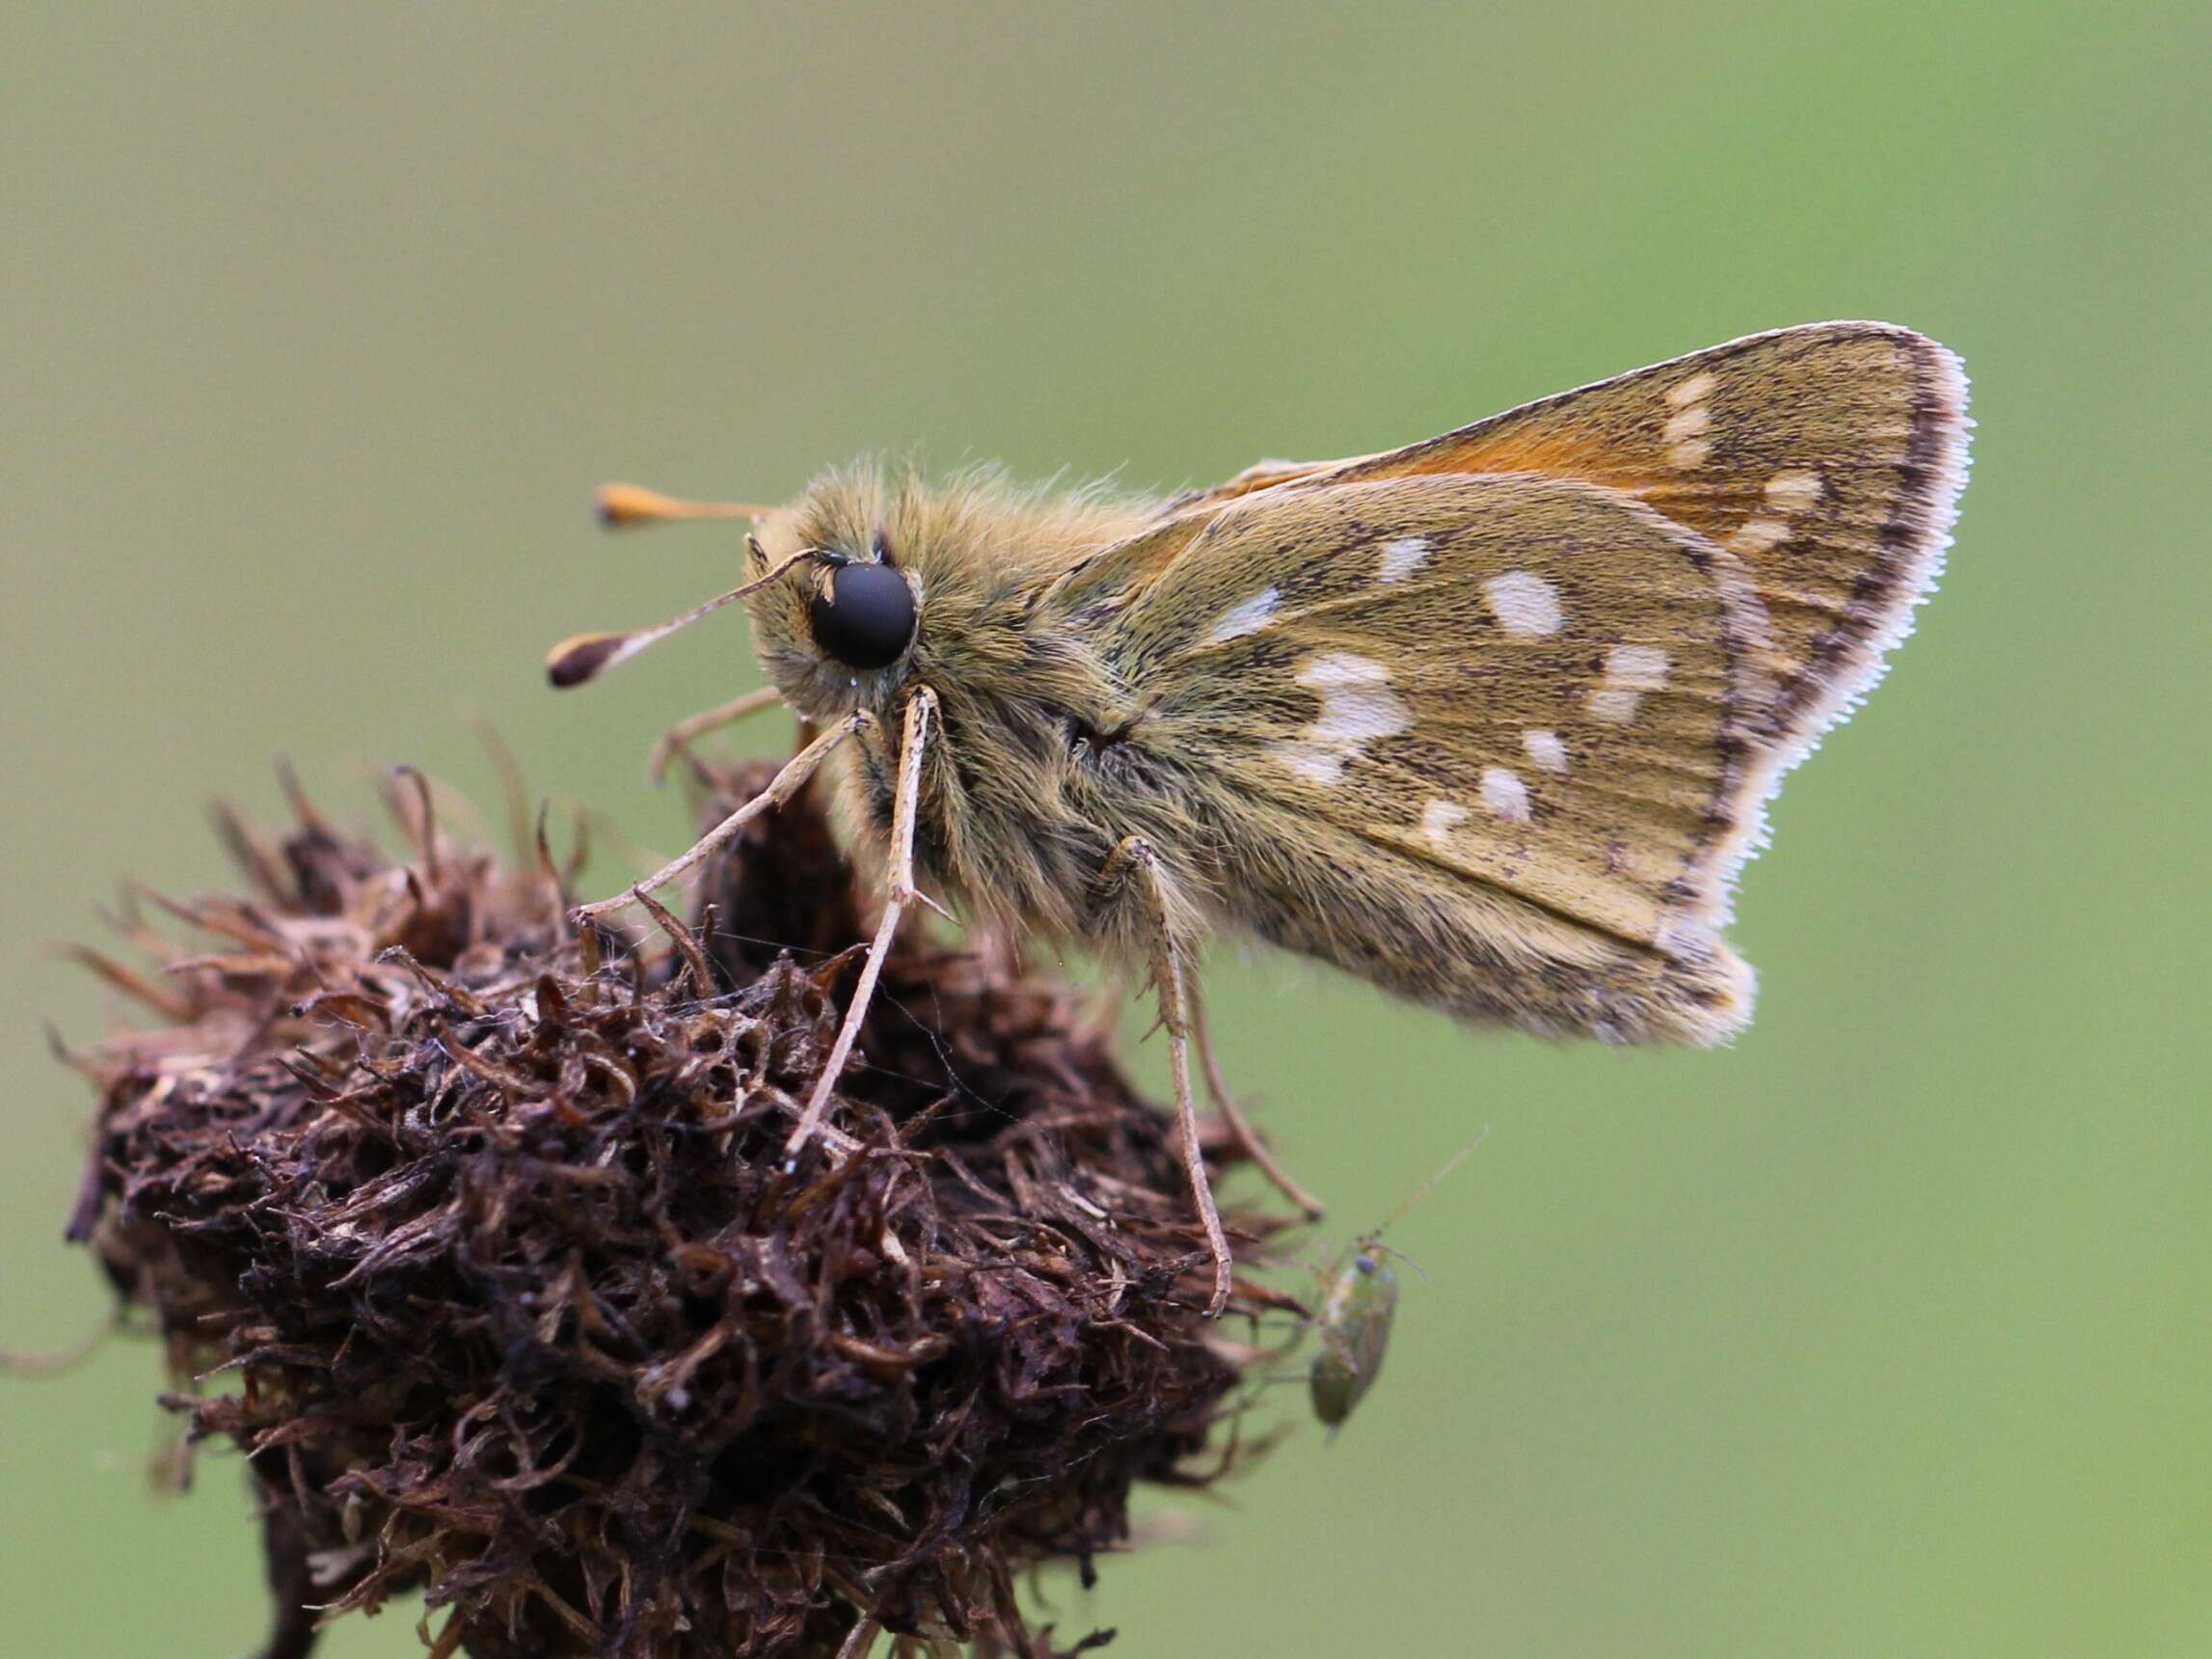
(836, 614)
(904, 578)
(838, 631)
(873, 576)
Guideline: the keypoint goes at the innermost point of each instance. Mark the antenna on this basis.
(1432, 1183)
(586, 655)
(627, 506)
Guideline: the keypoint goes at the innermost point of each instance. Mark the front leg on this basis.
(677, 739)
(781, 788)
(912, 737)
(1134, 862)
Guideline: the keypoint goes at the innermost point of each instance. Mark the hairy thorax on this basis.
(1025, 799)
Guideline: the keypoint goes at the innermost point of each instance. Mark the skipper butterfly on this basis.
(1490, 721)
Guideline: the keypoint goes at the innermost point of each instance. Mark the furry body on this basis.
(1490, 721)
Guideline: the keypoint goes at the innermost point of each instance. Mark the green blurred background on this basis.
(1883, 1333)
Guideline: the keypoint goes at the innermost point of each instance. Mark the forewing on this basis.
(1828, 458)
(1541, 686)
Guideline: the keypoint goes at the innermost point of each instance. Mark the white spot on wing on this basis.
(1546, 750)
(1759, 536)
(1351, 720)
(1357, 707)
(1612, 706)
(1332, 669)
(1638, 668)
(1504, 793)
(1523, 604)
(1250, 617)
(1439, 818)
(1402, 557)
(1684, 432)
(1357, 703)
(1311, 762)
(1630, 670)
(1794, 492)
(1695, 389)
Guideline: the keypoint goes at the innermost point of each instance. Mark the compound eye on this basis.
(864, 616)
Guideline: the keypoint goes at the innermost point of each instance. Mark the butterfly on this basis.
(1490, 721)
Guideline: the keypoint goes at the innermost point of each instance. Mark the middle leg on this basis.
(677, 739)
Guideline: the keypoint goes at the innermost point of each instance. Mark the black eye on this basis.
(864, 616)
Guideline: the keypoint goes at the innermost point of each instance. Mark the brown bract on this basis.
(524, 1308)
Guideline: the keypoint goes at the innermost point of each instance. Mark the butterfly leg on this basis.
(1240, 1126)
(912, 737)
(677, 739)
(1134, 859)
(781, 788)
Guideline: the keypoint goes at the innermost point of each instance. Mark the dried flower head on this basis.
(526, 1309)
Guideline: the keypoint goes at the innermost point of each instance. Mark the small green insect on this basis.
(1357, 1308)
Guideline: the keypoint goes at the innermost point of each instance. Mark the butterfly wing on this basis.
(1828, 458)
(1493, 741)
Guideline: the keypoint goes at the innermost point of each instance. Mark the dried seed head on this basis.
(494, 1223)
